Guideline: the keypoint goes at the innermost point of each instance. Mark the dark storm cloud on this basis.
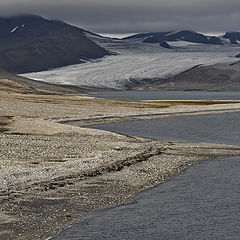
(112, 16)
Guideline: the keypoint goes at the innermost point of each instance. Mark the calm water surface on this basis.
(212, 128)
(202, 203)
(168, 95)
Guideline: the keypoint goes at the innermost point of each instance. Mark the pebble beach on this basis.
(53, 170)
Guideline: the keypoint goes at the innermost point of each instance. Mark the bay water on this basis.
(201, 203)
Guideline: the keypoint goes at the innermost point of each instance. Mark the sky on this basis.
(122, 17)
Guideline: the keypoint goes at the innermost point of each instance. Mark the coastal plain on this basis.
(54, 169)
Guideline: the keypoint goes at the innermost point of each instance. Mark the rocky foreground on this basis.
(52, 170)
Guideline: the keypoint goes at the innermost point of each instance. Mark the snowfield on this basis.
(138, 61)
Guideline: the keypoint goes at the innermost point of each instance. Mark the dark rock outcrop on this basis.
(215, 40)
(165, 45)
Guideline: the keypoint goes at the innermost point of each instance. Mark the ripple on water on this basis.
(202, 203)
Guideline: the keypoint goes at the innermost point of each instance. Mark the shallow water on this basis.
(168, 95)
(202, 203)
(212, 128)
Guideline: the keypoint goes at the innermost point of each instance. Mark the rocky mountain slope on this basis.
(13, 83)
(218, 77)
(31, 43)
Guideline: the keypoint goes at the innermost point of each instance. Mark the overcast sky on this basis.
(131, 16)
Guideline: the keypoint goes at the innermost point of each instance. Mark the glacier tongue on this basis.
(137, 61)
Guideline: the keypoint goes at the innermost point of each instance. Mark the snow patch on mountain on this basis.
(14, 29)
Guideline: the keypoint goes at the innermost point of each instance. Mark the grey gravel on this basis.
(51, 173)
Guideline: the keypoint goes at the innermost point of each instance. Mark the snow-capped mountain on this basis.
(166, 38)
(31, 43)
(233, 37)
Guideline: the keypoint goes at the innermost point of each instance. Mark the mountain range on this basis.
(163, 37)
(31, 43)
(166, 38)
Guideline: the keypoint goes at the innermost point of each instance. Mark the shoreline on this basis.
(45, 208)
(52, 173)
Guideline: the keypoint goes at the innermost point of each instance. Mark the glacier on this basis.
(137, 61)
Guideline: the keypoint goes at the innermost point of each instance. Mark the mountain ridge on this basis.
(167, 37)
(30, 43)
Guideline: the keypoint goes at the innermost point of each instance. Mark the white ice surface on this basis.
(182, 44)
(137, 61)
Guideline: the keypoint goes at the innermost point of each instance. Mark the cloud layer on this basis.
(128, 16)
